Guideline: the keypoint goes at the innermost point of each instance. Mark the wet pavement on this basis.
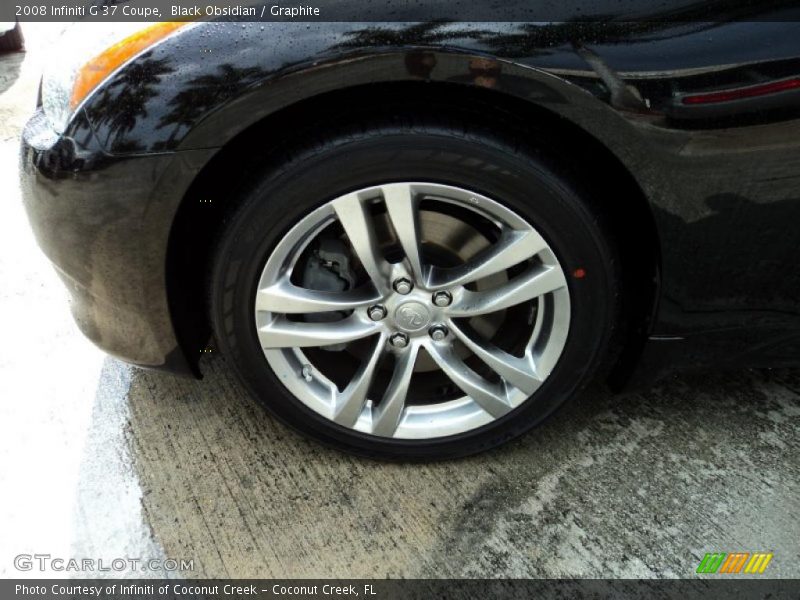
(102, 460)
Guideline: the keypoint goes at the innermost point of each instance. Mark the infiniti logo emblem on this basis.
(412, 316)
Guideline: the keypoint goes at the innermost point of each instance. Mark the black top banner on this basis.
(400, 10)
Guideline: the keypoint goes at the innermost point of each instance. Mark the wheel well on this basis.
(202, 214)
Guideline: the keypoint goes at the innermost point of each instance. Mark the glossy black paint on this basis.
(721, 182)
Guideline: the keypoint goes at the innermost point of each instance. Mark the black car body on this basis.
(690, 129)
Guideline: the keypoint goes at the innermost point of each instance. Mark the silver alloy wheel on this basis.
(517, 248)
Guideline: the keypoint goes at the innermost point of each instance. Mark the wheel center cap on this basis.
(412, 316)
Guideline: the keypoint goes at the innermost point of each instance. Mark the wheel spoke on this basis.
(512, 248)
(491, 397)
(519, 372)
(283, 333)
(387, 416)
(350, 402)
(402, 208)
(360, 230)
(283, 297)
(536, 282)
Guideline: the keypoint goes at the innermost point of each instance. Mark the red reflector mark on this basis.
(579, 273)
(745, 92)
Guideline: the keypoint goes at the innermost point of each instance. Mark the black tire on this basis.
(421, 149)
(12, 41)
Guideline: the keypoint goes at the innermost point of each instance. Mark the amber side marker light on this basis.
(101, 66)
(751, 91)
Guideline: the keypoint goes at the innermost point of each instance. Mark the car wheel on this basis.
(13, 40)
(414, 291)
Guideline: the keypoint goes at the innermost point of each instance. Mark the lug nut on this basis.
(399, 340)
(442, 299)
(403, 286)
(377, 312)
(437, 333)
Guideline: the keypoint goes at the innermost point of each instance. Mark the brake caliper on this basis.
(328, 270)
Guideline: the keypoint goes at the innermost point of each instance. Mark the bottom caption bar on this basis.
(379, 589)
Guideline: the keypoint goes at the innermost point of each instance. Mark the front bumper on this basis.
(104, 222)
